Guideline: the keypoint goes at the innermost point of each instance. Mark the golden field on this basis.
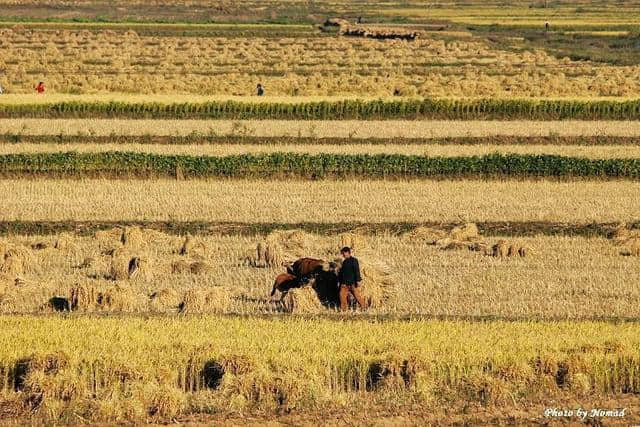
(560, 277)
(131, 301)
(597, 152)
(81, 61)
(121, 369)
(353, 129)
(267, 201)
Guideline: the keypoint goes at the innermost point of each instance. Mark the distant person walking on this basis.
(1, 90)
(40, 87)
(349, 280)
(260, 89)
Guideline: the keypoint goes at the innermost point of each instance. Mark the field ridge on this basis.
(415, 109)
(487, 228)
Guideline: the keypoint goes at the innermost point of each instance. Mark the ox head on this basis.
(335, 265)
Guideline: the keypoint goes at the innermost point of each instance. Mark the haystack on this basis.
(628, 238)
(63, 242)
(152, 236)
(517, 250)
(180, 267)
(5, 283)
(294, 242)
(16, 259)
(623, 235)
(500, 249)
(206, 300)
(109, 240)
(199, 267)
(129, 265)
(477, 247)
(133, 237)
(83, 298)
(117, 298)
(632, 248)
(378, 286)
(164, 299)
(268, 254)
(352, 240)
(12, 263)
(273, 256)
(193, 246)
(89, 297)
(183, 267)
(303, 301)
(466, 232)
(461, 237)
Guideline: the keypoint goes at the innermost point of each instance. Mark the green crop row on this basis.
(314, 166)
(504, 109)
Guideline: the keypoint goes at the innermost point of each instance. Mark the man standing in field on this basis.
(40, 87)
(260, 89)
(349, 280)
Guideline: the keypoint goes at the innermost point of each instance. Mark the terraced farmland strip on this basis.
(475, 363)
(439, 150)
(128, 164)
(577, 275)
(289, 202)
(433, 109)
(347, 129)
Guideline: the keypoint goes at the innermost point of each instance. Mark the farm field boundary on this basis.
(487, 228)
(599, 152)
(197, 138)
(290, 165)
(434, 109)
(60, 372)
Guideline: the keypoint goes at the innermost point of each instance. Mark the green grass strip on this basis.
(314, 166)
(453, 109)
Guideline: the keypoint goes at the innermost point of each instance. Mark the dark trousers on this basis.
(354, 290)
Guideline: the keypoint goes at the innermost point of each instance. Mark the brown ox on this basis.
(307, 268)
(284, 283)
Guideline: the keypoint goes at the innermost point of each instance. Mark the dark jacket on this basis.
(350, 272)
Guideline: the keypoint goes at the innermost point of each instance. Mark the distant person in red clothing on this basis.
(40, 87)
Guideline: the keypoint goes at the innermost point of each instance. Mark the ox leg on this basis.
(283, 295)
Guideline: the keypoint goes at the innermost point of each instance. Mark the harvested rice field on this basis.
(368, 201)
(582, 278)
(177, 191)
(317, 129)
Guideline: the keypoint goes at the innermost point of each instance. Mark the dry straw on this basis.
(206, 300)
(193, 246)
(628, 239)
(16, 259)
